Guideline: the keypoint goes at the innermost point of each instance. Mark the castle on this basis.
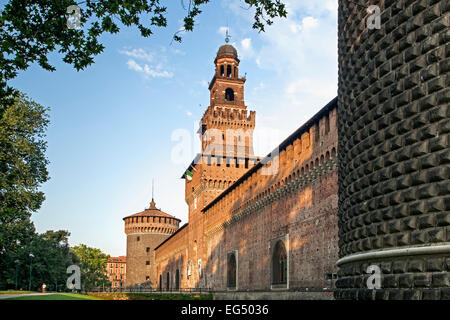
(272, 224)
(266, 224)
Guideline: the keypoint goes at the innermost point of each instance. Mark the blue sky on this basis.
(115, 125)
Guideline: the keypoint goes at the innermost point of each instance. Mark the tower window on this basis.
(222, 71)
(147, 263)
(138, 238)
(147, 249)
(229, 94)
(229, 71)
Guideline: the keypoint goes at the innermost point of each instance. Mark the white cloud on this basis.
(245, 49)
(148, 70)
(157, 74)
(309, 23)
(189, 114)
(140, 54)
(134, 66)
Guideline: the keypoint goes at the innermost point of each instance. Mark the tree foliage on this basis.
(31, 29)
(92, 262)
(23, 167)
(46, 256)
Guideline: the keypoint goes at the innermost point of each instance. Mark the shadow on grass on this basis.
(151, 296)
(57, 296)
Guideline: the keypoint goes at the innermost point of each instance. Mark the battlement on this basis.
(151, 220)
(229, 115)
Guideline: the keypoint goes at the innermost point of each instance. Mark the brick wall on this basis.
(137, 257)
(297, 204)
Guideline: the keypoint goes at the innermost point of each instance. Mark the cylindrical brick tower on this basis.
(145, 231)
(394, 187)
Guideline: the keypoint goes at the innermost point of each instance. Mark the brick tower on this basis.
(145, 231)
(226, 134)
(394, 153)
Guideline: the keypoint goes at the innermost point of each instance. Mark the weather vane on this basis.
(227, 38)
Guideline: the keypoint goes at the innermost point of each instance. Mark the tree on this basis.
(92, 263)
(30, 30)
(45, 256)
(14, 255)
(52, 257)
(23, 168)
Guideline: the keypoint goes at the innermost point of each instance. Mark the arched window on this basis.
(229, 71)
(279, 264)
(222, 71)
(231, 270)
(177, 280)
(229, 94)
(160, 282)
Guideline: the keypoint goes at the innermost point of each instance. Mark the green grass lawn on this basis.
(16, 292)
(58, 296)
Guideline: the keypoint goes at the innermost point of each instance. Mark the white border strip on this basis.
(395, 253)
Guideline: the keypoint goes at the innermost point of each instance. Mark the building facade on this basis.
(116, 271)
(255, 223)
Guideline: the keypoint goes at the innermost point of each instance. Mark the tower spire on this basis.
(227, 37)
(153, 204)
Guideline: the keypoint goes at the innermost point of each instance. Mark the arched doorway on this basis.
(279, 264)
(177, 280)
(168, 281)
(231, 271)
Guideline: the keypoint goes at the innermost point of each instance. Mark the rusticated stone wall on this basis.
(394, 187)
